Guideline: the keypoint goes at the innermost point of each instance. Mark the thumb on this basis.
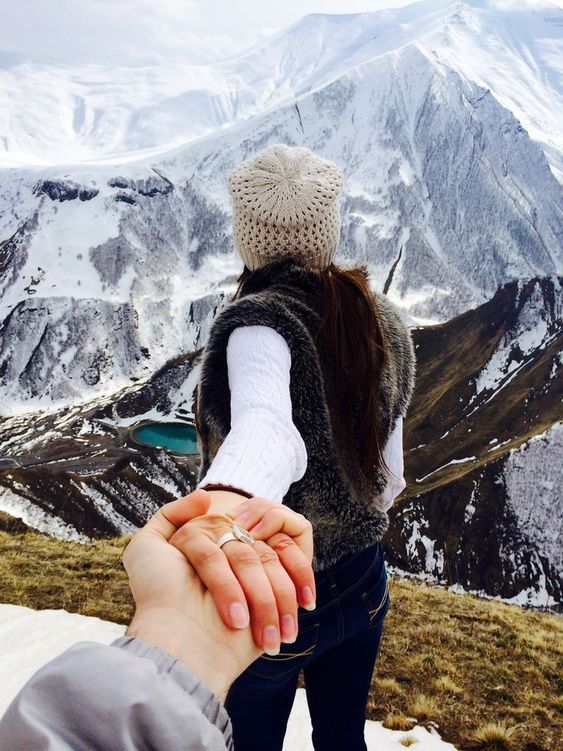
(173, 515)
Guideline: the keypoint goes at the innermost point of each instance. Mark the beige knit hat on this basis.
(285, 202)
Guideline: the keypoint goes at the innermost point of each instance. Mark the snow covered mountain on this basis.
(483, 456)
(446, 198)
(116, 252)
(52, 114)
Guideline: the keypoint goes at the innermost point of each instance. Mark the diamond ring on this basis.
(237, 533)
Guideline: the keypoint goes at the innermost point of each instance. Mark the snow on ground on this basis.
(30, 638)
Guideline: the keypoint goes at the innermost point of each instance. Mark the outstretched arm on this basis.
(262, 455)
(129, 695)
(162, 685)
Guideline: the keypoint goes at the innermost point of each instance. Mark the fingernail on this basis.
(288, 629)
(308, 599)
(239, 615)
(271, 640)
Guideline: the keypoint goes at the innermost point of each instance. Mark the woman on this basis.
(306, 378)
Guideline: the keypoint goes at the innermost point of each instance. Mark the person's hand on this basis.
(174, 610)
(271, 521)
(266, 579)
(264, 519)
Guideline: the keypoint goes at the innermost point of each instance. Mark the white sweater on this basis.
(263, 452)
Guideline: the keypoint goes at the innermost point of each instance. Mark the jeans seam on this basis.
(291, 655)
(349, 589)
(374, 611)
(286, 657)
(341, 625)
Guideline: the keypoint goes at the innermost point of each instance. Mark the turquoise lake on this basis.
(174, 436)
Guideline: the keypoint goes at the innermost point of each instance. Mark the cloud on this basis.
(151, 32)
(513, 5)
(115, 32)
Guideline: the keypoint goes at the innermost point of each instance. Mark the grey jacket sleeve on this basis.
(129, 695)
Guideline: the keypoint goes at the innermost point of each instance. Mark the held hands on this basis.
(264, 519)
(174, 609)
(269, 579)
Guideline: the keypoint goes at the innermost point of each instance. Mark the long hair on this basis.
(352, 336)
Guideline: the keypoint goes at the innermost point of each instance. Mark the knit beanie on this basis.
(285, 202)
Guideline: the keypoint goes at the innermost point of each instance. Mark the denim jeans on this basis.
(336, 648)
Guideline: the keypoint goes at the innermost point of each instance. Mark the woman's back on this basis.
(285, 296)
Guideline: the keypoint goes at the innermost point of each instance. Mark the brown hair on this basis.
(354, 341)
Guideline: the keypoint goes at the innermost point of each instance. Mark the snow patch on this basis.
(529, 334)
(533, 479)
(20, 508)
(32, 638)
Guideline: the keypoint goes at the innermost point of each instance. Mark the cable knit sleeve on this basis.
(393, 455)
(263, 452)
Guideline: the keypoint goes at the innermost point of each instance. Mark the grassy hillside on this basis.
(487, 675)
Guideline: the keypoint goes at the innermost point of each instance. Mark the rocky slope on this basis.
(483, 504)
(482, 507)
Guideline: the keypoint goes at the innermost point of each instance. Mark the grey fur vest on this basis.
(286, 296)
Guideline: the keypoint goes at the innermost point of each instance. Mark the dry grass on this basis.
(494, 735)
(40, 572)
(408, 740)
(395, 721)
(388, 685)
(486, 674)
(445, 684)
(424, 707)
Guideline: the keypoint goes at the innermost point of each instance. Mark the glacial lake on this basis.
(173, 436)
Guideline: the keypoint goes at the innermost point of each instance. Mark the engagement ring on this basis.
(237, 533)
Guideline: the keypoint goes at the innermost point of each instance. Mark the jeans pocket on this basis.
(291, 657)
(376, 600)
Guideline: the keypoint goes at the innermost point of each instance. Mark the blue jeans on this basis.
(336, 648)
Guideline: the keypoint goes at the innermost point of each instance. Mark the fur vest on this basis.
(287, 296)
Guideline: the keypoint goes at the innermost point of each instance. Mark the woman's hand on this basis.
(272, 522)
(264, 577)
(264, 519)
(174, 610)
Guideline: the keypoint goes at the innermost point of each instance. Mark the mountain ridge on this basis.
(279, 69)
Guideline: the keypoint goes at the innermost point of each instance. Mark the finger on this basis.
(251, 511)
(298, 567)
(214, 570)
(241, 508)
(248, 517)
(173, 515)
(275, 519)
(284, 591)
(264, 616)
(293, 524)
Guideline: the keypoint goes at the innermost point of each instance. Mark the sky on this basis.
(154, 32)
(149, 32)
